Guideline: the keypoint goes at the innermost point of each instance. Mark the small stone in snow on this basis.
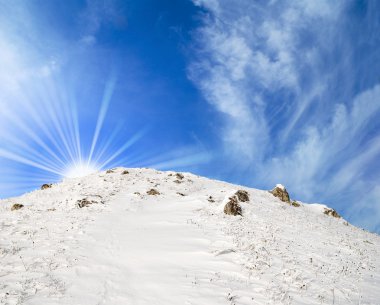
(331, 212)
(295, 204)
(46, 186)
(84, 203)
(179, 176)
(210, 199)
(17, 206)
(153, 192)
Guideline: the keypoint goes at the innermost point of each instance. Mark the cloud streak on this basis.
(277, 71)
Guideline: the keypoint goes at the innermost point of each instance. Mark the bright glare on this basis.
(80, 170)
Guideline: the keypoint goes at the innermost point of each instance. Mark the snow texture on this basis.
(178, 247)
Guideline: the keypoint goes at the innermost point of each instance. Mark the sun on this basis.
(82, 169)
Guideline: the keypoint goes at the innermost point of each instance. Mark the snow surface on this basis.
(178, 247)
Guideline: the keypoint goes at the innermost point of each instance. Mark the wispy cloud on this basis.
(277, 70)
(100, 13)
(258, 47)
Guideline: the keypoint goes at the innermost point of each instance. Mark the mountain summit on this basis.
(141, 236)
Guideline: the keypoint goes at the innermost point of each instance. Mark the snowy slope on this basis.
(178, 247)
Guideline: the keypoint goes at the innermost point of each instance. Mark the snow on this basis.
(135, 248)
(280, 186)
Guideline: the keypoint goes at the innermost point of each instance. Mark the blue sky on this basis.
(251, 92)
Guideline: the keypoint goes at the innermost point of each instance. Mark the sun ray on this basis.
(45, 129)
(7, 155)
(32, 135)
(75, 122)
(108, 92)
(56, 118)
(106, 146)
(126, 145)
(24, 150)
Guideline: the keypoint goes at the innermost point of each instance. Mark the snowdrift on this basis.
(140, 236)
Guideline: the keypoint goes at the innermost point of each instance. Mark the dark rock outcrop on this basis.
(281, 193)
(233, 207)
(242, 195)
(46, 186)
(16, 206)
(331, 212)
(179, 176)
(153, 192)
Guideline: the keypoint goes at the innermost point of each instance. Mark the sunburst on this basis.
(43, 139)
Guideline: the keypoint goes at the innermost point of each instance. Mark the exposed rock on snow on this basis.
(46, 186)
(85, 202)
(232, 207)
(179, 176)
(331, 212)
(295, 204)
(153, 192)
(242, 195)
(280, 192)
(125, 172)
(16, 206)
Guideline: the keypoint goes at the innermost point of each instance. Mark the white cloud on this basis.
(252, 53)
(242, 47)
(98, 13)
(317, 155)
(366, 212)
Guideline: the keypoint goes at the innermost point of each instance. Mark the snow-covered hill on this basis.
(147, 237)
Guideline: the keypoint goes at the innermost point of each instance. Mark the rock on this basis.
(210, 199)
(280, 192)
(331, 212)
(179, 176)
(85, 202)
(125, 172)
(232, 207)
(110, 171)
(242, 195)
(295, 204)
(16, 206)
(46, 186)
(181, 194)
(153, 192)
